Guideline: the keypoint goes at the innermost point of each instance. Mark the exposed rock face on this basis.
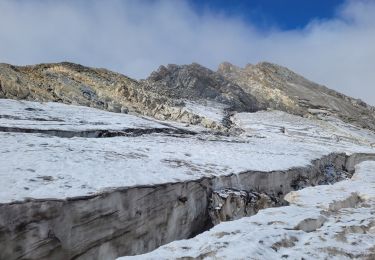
(195, 82)
(162, 95)
(67, 83)
(230, 204)
(279, 88)
(99, 88)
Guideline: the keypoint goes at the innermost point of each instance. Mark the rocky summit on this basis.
(189, 163)
(277, 87)
(197, 83)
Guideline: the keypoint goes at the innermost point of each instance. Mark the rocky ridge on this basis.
(195, 82)
(279, 88)
(99, 88)
(169, 92)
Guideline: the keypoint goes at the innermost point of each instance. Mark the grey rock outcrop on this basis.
(230, 204)
(277, 87)
(99, 88)
(195, 82)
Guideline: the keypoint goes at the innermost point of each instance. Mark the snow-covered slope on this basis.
(57, 116)
(36, 165)
(323, 222)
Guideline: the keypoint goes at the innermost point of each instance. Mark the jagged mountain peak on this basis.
(196, 82)
(227, 67)
(278, 87)
(171, 69)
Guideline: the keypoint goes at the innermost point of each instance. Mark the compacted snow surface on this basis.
(35, 165)
(39, 161)
(57, 116)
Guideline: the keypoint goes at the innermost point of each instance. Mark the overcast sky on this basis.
(135, 37)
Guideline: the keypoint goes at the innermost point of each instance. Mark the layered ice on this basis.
(323, 222)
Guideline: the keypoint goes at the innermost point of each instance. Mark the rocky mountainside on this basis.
(99, 88)
(174, 92)
(279, 88)
(195, 82)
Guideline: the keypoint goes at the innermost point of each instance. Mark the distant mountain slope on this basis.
(279, 88)
(195, 82)
(67, 83)
(99, 88)
(181, 93)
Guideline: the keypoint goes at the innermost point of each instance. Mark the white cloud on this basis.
(135, 37)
